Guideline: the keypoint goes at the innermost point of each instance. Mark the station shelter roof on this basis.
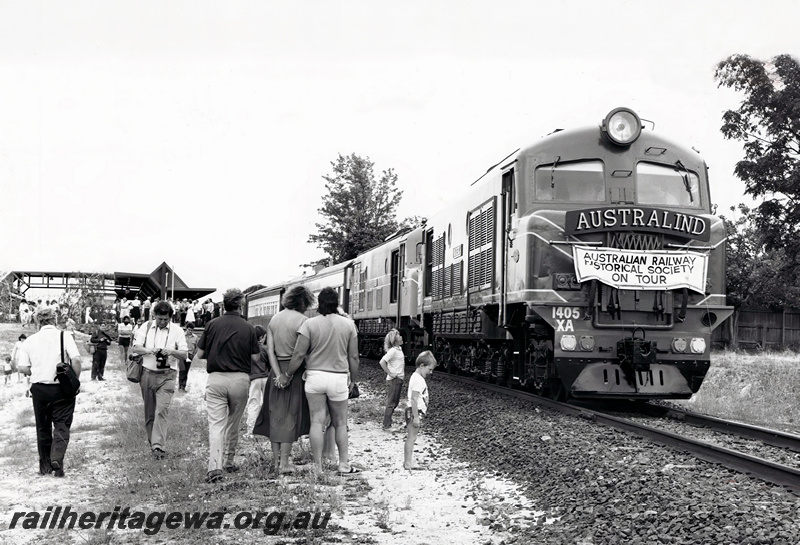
(162, 283)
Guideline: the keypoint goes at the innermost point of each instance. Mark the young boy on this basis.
(7, 369)
(417, 404)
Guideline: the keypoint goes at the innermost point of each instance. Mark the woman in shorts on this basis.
(329, 344)
(124, 334)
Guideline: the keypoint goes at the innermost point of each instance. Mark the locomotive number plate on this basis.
(563, 317)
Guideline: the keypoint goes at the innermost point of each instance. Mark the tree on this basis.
(89, 293)
(359, 209)
(757, 276)
(768, 122)
(254, 288)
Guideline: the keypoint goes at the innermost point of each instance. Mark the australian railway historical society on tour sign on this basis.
(640, 269)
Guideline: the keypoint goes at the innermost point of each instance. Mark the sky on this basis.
(198, 132)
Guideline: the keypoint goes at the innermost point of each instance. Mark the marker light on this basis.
(698, 345)
(622, 126)
(587, 343)
(568, 343)
(679, 345)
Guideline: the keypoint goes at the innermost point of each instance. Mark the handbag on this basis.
(133, 367)
(354, 393)
(66, 376)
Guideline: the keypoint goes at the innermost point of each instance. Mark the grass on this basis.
(384, 514)
(368, 409)
(761, 389)
(178, 482)
(111, 443)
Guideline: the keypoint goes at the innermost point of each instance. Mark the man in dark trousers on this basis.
(39, 355)
(230, 346)
(101, 342)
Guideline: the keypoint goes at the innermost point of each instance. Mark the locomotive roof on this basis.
(578, 139)
(298, 279)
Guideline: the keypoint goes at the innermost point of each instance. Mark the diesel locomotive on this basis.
(586, 265)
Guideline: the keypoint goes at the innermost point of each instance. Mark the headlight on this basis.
(698, 345)
(568, 343)
(679, 345)
(622, 126)
(587, 343)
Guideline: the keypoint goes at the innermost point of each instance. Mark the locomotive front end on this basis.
(624, 265)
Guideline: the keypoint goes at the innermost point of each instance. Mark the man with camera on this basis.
(39, 357)
(162, 344)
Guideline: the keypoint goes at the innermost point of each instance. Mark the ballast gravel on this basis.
(597, 485)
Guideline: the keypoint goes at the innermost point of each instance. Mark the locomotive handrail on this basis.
(690, 247)
(575, 242)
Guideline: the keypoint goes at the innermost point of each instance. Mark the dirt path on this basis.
(445, 502)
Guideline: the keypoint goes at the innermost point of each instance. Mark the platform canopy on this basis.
(162, 283)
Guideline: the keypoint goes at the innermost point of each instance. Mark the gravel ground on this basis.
(598, 485)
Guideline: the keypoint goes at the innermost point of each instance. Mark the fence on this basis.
(761, 329)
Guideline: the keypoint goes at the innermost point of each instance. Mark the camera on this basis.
(161, 359)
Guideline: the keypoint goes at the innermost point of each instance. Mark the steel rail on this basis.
(767, 436)
(771, 472)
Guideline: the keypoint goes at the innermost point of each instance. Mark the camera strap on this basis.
(146, 333)
(166, 340)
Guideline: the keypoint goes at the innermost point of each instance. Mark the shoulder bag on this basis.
(66, 376)
(134, 368)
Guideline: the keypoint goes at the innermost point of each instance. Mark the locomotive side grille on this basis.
(438, 251)
(480, 263)
(486, 266)
(480, 268)
(635, 241)
(447, 280)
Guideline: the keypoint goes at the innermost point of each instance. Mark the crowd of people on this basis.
(291, 379)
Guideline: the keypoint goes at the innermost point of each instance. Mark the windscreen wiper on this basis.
(686, 183)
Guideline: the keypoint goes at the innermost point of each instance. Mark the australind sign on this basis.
(654, 220)
(641, 270)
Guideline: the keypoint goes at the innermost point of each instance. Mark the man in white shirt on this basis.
(38, 357)
(162, 344)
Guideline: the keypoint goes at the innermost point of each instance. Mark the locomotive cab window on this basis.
(580, 181)
(667, 185)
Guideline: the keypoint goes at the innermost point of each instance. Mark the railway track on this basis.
(767, 436)
(769, 471)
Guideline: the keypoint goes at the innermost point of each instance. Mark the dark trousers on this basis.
(183, 374)
(393, 388)
(53, 413)
(99, 363)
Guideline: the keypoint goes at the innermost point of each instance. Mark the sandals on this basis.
(353, 471)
